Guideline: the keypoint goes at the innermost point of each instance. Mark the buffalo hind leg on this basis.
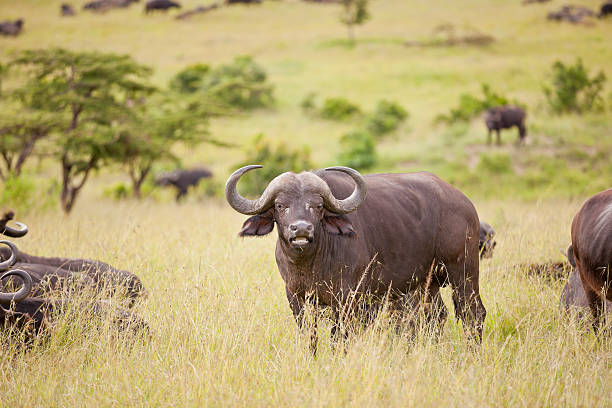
(498, 137)
(297, 303)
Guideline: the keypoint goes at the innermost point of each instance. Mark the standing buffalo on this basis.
(505, 117)
(182, 179)
(592, 250)
(573, 296)
(11, 28)
(162, 5)
(487, 242)
(412, 234)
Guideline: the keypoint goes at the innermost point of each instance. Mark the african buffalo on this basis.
(104, 5)
(573, 296)
(161, 5)
(55, 273)
(182, 179)
(605, 10)
(31, 314)
(592, 250)
(487, 242)
(505, 117)
(242, 2)
(66, 10)
(412, 234)
(11, 28)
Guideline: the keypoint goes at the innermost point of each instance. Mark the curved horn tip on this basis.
(339, 168)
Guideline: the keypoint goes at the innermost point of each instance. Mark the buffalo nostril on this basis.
(293, 227)
(309, 228)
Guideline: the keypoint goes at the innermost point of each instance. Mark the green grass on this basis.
(223, 334)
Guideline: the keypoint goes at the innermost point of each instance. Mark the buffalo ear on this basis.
(338, 224)
(257, 225)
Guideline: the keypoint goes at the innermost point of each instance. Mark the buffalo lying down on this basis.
(55, 273)
(11, 28)
(412, 234)
(592, 250)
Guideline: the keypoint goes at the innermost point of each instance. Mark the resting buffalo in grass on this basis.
(182, 180)
(412, 234)
(486, 243)
(11, 28)
(592, 250)
(54, 273)
(242, 2)
(605, 10)
(66, 10)
(573, 296)
(33, 314)
(160, 5)
(505, 117)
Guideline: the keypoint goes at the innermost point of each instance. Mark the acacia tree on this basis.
(87, 92)
(354, 12)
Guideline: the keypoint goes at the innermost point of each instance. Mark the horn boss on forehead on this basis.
(257, 206)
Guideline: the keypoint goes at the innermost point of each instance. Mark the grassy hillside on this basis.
(222, 332)
(303, 48)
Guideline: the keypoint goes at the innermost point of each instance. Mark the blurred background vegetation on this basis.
(101, 102)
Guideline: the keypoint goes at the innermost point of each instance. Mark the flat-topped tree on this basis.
(354, 12)
(88, 92)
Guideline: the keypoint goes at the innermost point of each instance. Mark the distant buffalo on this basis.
(66, 10)
(104, 5)
(592, 251)
(505, 117)
(161, 5)
(605, 10)
(11, 28)
(487, 242)
(572, 14)
(243, 1)
(182, 179)
(573, 296)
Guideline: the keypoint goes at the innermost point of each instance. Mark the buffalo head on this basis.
(302, 205)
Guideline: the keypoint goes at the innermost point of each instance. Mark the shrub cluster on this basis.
(386, 118)
(275, 158)
(358, 150)
(471, 106)
(241, 84)
(339, 109)
(572, 90)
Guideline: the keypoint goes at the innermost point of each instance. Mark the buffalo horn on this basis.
(246, 206)
(12, 259)
(26, 287)
(351, 202)
(15, 233)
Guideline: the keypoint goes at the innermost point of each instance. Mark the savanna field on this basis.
(222, 333)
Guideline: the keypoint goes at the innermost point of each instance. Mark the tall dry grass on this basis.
(223, 334)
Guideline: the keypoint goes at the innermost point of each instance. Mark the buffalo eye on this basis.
(279, 206)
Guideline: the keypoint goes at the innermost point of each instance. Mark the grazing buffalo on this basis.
(487, 242)
(605, 10)
(592, 250)
(11, 28)
(66, 10)
(32, 314)
(571, 14)
(573, 296)
(182, 179)
(243, 2)
(412, 234)
(104, 5)
(161, 5)
(505, 117)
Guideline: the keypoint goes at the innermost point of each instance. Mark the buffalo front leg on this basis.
(297, 303)
(498, 137)
(466, 298)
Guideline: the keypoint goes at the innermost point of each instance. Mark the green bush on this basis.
(572, 90)
(190, 79)
(241, 84)
(358, 150)
(275, 159)
(471, 106)
(386, 118)
(339, 109)
(118, 191)
(23, 194)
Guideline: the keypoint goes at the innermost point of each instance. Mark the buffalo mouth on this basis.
(300, 241)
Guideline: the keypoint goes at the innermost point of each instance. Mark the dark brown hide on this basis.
(592, 249)
(505, 117)
(413, 234)
(54, 273)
